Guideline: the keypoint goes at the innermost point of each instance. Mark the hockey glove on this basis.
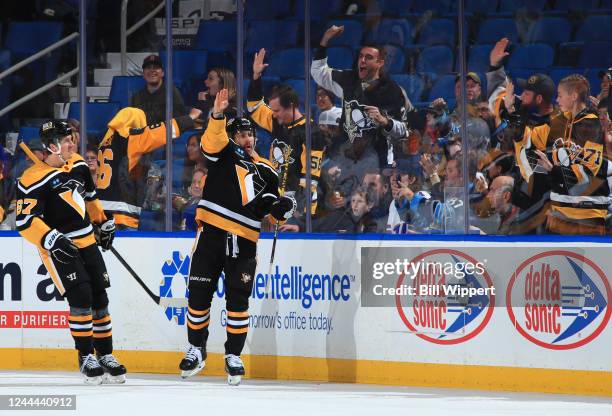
(60, 246)
(105, 234)
(283, 208)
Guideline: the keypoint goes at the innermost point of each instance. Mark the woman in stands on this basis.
(193, 161)
(217, 79)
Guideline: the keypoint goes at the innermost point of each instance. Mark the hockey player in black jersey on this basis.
(241, 188)
(56, 206)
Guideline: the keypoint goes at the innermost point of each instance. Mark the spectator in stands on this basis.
(76, 131)
(194, 160)
(216, 80)
(373, 103)
(282, 117)
(329, 124)
(152, 98)
(404, 183)
(187, 207)
(325, 99)
(500, 200)
(380, 210)
(363, 202)
(91, 157)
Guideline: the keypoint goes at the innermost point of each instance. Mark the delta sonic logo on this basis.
(174, 285)
(559, 300)
(435, 311)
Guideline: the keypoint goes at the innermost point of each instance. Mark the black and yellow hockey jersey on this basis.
(63, 198)
(121, 178)
(580, 188)
(239, 188)
(293, 135)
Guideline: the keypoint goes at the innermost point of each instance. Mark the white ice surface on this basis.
(150, 395)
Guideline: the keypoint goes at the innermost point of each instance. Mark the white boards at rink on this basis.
(521, 316)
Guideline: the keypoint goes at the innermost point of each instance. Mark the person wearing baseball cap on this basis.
(152, 98)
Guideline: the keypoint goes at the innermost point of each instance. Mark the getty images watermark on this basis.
(400, 273)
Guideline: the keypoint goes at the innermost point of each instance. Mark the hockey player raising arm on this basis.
(241, 188)
(56, 205)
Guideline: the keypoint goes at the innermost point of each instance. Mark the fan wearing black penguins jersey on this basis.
(241, 188)
(56, 205)
(283, 119)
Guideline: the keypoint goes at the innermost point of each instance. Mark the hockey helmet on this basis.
(238, 124)
(54, 130)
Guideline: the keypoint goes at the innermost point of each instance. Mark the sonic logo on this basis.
(559, 300)
(440, 317)
(174, 284)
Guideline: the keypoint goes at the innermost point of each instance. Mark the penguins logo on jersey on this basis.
(278, 150)
(356, 120)
(72, 194)
(250, 180)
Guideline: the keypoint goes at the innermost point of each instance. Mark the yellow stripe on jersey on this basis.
(262, 115)
(579, 213)
(215, 137)
(121, 219)
(227, 225)
(85, 241)
(238, 314)
(237, 330)
(35, 232)
(95, 211)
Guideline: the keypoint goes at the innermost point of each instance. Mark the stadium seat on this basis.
(216, 35)
(187, 65)
(271, 34)
(340, 57)
(535, 56)
(298, 85)
(596, 54)
(437, 6)
(399, 8)
(352, 35)
(514, 5)
(476, 6)
(98, 116)
(437, 59)
(392, 31)
(320, 9)
(557, 74)
(478, 58)
(267, 81)
(24, 38)
(413, 85)
(492, 30)
(550, 30)
(267, 9)
(439, 32)
(27, 133)
(605, 6)
(575, 5)
(123, 87)
(595, 28)
(395, 61)
(287, 63)
(443, 87)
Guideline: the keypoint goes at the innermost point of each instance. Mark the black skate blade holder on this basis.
(161, 301)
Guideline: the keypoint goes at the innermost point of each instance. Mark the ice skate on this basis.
(114, 373)
(193, 362)
(91, 369)
(234, 369)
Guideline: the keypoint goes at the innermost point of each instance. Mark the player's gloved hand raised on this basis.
(106, 234)
(60, 246)
(283, 208)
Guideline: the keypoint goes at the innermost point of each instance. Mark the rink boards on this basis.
(543, 325)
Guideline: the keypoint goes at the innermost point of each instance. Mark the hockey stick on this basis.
(281, 192)
(161, 301)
